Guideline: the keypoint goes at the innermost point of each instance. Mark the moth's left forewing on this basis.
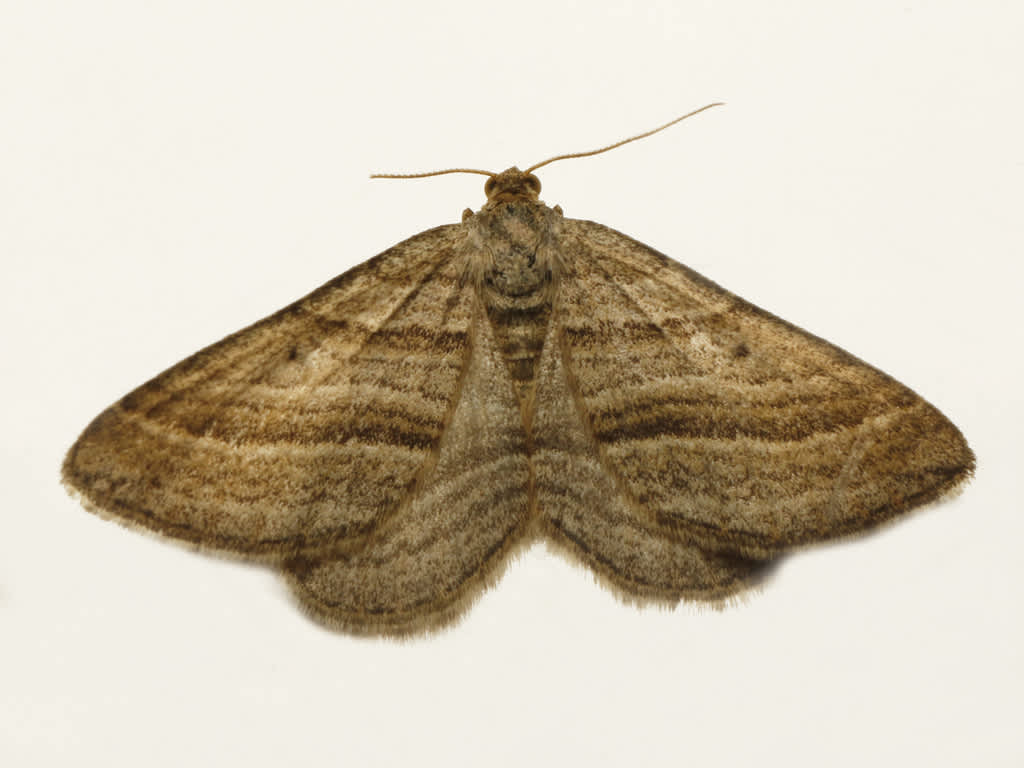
(734, 428)
(304, 430)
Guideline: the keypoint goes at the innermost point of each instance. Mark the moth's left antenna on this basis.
(430, 173)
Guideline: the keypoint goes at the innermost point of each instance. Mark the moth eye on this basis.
(489, 186)
(533, 183)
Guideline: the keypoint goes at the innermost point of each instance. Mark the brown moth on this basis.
(391, 439)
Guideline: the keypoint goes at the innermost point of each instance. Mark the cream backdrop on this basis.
(172, 171)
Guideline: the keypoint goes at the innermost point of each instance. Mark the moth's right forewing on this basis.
(740, 431)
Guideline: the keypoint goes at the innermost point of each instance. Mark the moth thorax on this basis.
(514, 249)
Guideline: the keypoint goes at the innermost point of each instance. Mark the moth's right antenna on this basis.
(624, 141)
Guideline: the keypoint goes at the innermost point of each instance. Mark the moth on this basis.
(392, 439)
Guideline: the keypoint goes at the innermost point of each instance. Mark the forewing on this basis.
(728, 425)
(301, 431)
(426, 563)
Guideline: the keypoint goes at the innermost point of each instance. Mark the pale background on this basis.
(172, 171)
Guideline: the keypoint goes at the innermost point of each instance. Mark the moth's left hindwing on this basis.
(426, 563)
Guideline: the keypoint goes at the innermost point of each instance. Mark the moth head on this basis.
(511, 185)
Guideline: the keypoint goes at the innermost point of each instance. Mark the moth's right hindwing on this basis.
(586, 510)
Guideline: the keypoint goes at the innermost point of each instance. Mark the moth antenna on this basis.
(430, 173)
(624, 141)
